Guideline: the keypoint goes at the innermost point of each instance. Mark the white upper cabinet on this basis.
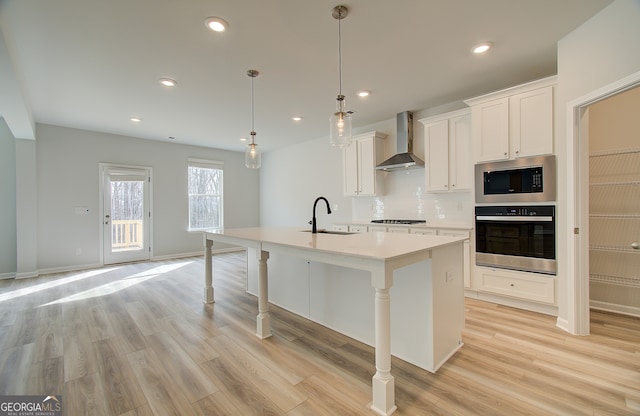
(448, 151)
(531, 127)
(360, 160)
(517, 122)
(491, 130)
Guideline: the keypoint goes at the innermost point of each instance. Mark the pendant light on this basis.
(340, 121)
(252, 157)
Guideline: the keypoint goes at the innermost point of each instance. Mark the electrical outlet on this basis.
(448, 277)
(78, 251)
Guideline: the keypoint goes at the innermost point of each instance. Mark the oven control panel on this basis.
(519, 211)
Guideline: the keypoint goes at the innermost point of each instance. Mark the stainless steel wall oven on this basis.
(516, 237)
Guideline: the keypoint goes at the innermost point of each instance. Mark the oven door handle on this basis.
(528, 218)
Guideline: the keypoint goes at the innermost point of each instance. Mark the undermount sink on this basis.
(329, 232)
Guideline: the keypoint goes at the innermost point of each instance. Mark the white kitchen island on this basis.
(434, 261)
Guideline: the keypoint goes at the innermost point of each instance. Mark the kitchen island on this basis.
(434, 260)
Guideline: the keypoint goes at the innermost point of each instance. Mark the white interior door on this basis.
(126, 214)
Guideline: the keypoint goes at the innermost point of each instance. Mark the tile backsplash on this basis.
(403, 196)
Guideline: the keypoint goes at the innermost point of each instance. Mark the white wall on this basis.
(293, 177)
(601, 51)
(68, 177)
(7, 202)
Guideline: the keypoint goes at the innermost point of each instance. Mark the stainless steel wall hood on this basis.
(404, 158)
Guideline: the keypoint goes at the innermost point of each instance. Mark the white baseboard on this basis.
(177, 256)
(198, 253)
(562, 324)
(64, 269)
(7, 275)
(615, 308)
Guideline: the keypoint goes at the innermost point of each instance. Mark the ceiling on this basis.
(93, 64)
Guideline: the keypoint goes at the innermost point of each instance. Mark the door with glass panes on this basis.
(126, 214)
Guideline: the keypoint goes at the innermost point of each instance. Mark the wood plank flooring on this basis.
(137, 340)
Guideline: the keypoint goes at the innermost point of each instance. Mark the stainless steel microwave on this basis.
(529, 179)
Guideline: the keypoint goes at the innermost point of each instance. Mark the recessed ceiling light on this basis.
(481, 47)
(296, 118)
(135, 119)
(216, 24)
(363, 93)
(243, 139)
(168, 82)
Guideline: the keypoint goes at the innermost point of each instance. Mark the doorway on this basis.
(126, 212)
(578, 279)
(614, 203)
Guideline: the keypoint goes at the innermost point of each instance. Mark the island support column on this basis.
(263, 321)
(208, 272)
(382, 383)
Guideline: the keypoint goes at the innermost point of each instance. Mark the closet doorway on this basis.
(614, 203)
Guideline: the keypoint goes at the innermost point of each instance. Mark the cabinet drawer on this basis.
(423, 231)
(357, 228)
(519, 285)
(340, 227)
(403, 230)
(379, 228)
(454, 233)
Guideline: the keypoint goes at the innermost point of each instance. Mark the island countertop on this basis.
(381, 246)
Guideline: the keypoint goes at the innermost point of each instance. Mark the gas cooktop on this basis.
(398, 221)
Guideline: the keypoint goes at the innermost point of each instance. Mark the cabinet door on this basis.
(350, 161)
(531, 117)
(491, 130)
(437, 149)
(460, 160)
(366, 167)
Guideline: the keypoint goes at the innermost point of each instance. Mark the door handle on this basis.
(635, 245)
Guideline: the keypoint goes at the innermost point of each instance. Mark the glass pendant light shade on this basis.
(252, 156)
(340, 125)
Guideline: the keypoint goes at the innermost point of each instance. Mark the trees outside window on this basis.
(205, 196)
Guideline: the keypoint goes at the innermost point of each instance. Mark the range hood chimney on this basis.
(404, 158)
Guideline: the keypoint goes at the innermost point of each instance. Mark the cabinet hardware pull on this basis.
(635, 245)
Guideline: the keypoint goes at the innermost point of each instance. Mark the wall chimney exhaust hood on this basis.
(404, 158)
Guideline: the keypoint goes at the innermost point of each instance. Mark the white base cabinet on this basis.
(512, 123)
(427, 305)
(527, 286)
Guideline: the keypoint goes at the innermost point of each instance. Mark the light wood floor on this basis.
(137, 340)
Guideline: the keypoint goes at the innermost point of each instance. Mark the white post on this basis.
(263, 321)
(383, 384)
(208, 271)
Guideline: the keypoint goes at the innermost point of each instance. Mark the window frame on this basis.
(205, 164)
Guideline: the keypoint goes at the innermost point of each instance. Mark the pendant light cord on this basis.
(253, 113)
(340, 51)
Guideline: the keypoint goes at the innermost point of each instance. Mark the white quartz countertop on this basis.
(384, 246)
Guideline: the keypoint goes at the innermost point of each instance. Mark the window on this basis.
(205, 195)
